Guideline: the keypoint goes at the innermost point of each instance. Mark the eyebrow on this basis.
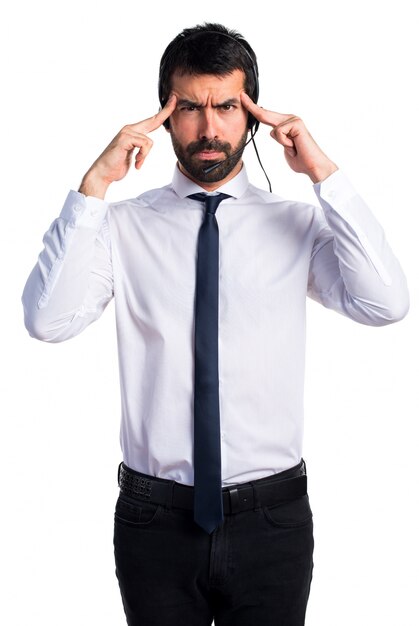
(192, 103)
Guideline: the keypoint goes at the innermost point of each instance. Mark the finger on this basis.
(144, 149)
(262, 115)
(281, 137)
(154, 122)
(166, 111)
(292, 152)
(128, 140)
(143, 152)
(290, 121)
(270, 118)
(248, 102)
(253, 108)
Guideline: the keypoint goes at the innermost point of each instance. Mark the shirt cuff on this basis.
(336, 189)
(85, 211)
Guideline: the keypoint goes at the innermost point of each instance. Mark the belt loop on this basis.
(170, 490)
(256, 503)
(119, 472)
(234, 499)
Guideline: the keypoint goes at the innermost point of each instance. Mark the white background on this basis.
(73, 74)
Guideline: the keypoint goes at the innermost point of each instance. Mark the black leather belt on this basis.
(287, 485)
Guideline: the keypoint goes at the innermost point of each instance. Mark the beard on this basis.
(195, 167)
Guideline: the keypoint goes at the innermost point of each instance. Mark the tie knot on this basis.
(211, 202)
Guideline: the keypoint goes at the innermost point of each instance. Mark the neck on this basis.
(208, 186)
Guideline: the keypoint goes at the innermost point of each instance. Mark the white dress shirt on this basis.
(273, 252)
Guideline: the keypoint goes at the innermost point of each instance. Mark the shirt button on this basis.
(77, 208)
(94, 212)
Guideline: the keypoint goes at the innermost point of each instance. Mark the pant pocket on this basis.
(289, 513)
(130, 512)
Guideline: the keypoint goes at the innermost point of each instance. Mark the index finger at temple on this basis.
(262, 115)
(249, 104)
(154, 122)
(165, 112)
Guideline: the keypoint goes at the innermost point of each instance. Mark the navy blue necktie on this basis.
(208, 501)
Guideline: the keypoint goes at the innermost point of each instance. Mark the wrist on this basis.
(93, 185)
(319, 174)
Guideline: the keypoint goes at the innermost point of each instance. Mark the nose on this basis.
(207, 124)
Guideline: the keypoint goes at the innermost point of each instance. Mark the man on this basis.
(210, 277)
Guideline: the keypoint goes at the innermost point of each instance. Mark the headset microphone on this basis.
(209, 169)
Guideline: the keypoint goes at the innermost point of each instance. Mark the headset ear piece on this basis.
(252, 123)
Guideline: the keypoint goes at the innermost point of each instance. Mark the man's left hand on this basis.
(301, 151)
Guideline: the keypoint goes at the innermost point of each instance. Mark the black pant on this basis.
(254, 570)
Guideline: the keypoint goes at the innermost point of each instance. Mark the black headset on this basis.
(253, 124)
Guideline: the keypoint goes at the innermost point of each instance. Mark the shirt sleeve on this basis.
(353, 269)
(72, 282)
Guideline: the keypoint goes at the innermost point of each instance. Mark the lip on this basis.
(209, 154)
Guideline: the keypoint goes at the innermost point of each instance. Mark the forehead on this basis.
(195, 87)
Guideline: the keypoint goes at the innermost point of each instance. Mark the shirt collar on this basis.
(235, 187)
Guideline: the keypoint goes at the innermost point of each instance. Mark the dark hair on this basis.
(208, 49)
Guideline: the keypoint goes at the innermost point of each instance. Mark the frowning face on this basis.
(208, 125)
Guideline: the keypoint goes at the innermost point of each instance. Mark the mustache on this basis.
(204, 144)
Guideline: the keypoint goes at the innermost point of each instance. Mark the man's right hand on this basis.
(114, 162)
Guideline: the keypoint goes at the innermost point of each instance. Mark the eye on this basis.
(190, 108)
(225, 108)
